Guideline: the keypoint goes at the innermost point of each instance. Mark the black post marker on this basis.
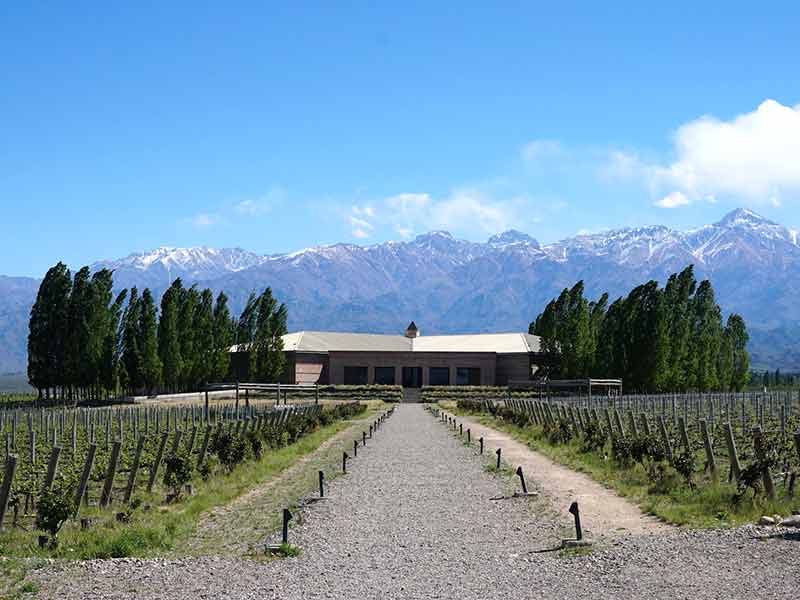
(481, 441)
(344, 462)
(322, 484)
(468, 436)
(287, 516)
(363, 438)
(578, 531)
(522, 480)
(355, 448)
(498, 451)
(370, 432)
(460, 429)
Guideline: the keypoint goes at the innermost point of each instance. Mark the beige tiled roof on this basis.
(326, 341)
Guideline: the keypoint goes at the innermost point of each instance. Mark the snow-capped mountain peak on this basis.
(743, 217)
(512, 236)
(196, 263)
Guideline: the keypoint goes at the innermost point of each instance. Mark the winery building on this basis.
(411, 360)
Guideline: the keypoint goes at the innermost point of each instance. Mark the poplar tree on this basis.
(707, 337)
(740, 368)
(78, 333)
(47, 331)
(109, 365)
(131, 353)
(169, 345)
(223, 337)
(267, 360)
(204, 330)
(150, 365)
(246, 325)
(187, 336)
(100, 324)
(654, 339)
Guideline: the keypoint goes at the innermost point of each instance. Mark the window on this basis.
(468, 376)
(384, 375)
(356, 375)
(439, 376)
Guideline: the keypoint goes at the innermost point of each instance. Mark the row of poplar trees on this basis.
(669, 339)
(86, 342)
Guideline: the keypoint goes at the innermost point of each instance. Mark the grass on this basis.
(708, 504)
(156, 529)
(13, 582)
(287, 550)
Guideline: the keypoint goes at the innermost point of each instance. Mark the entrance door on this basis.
(412, 377)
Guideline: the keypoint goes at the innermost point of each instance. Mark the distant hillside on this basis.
(449, 285)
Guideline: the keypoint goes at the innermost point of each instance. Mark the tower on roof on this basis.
(412, 330)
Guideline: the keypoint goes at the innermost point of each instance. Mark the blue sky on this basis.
(125, 126)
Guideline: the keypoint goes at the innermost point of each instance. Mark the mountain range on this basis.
(449, 285)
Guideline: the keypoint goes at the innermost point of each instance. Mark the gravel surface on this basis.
(414, 518)
(604, 512)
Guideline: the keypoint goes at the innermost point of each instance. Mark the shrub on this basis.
(685, 464)
(55, 507)
(178, 470)
(594, 438)
(621, 450)
(256, 445)
(661, 477)
(231, 449)
(558, 433)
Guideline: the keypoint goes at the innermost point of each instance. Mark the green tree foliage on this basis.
(130, 364)
(169, 344)
(47, 352)
(223, 338)
(73, 334)
(669, 339)
(150, 365)
(736, 331)
(248, 321)
(86, 343)
(267, 360)
(187, 335)
(204, 327)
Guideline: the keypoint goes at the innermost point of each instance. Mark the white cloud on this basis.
(673, 200)
(366, 211)
(261, 205)
(539, 149)
(754, 156)
(464, 210)
(361, 228)
(203, 220)
(253, 208)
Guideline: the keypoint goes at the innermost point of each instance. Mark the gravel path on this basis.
(414, 519)
(605, 513)
(239, 527)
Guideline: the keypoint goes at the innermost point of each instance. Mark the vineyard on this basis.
(73, 465)
(743, 448)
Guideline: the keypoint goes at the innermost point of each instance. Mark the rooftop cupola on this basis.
(412, 331)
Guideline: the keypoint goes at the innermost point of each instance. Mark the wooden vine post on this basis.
(157, 462)
(52, 467)
(733, 457)
(758, 444)
(665, 437)
(87, 471)
(108, 485)
(710, 460)
(134, 469)
(5, 489)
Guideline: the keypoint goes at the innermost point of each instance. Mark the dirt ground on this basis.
(603, 512)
